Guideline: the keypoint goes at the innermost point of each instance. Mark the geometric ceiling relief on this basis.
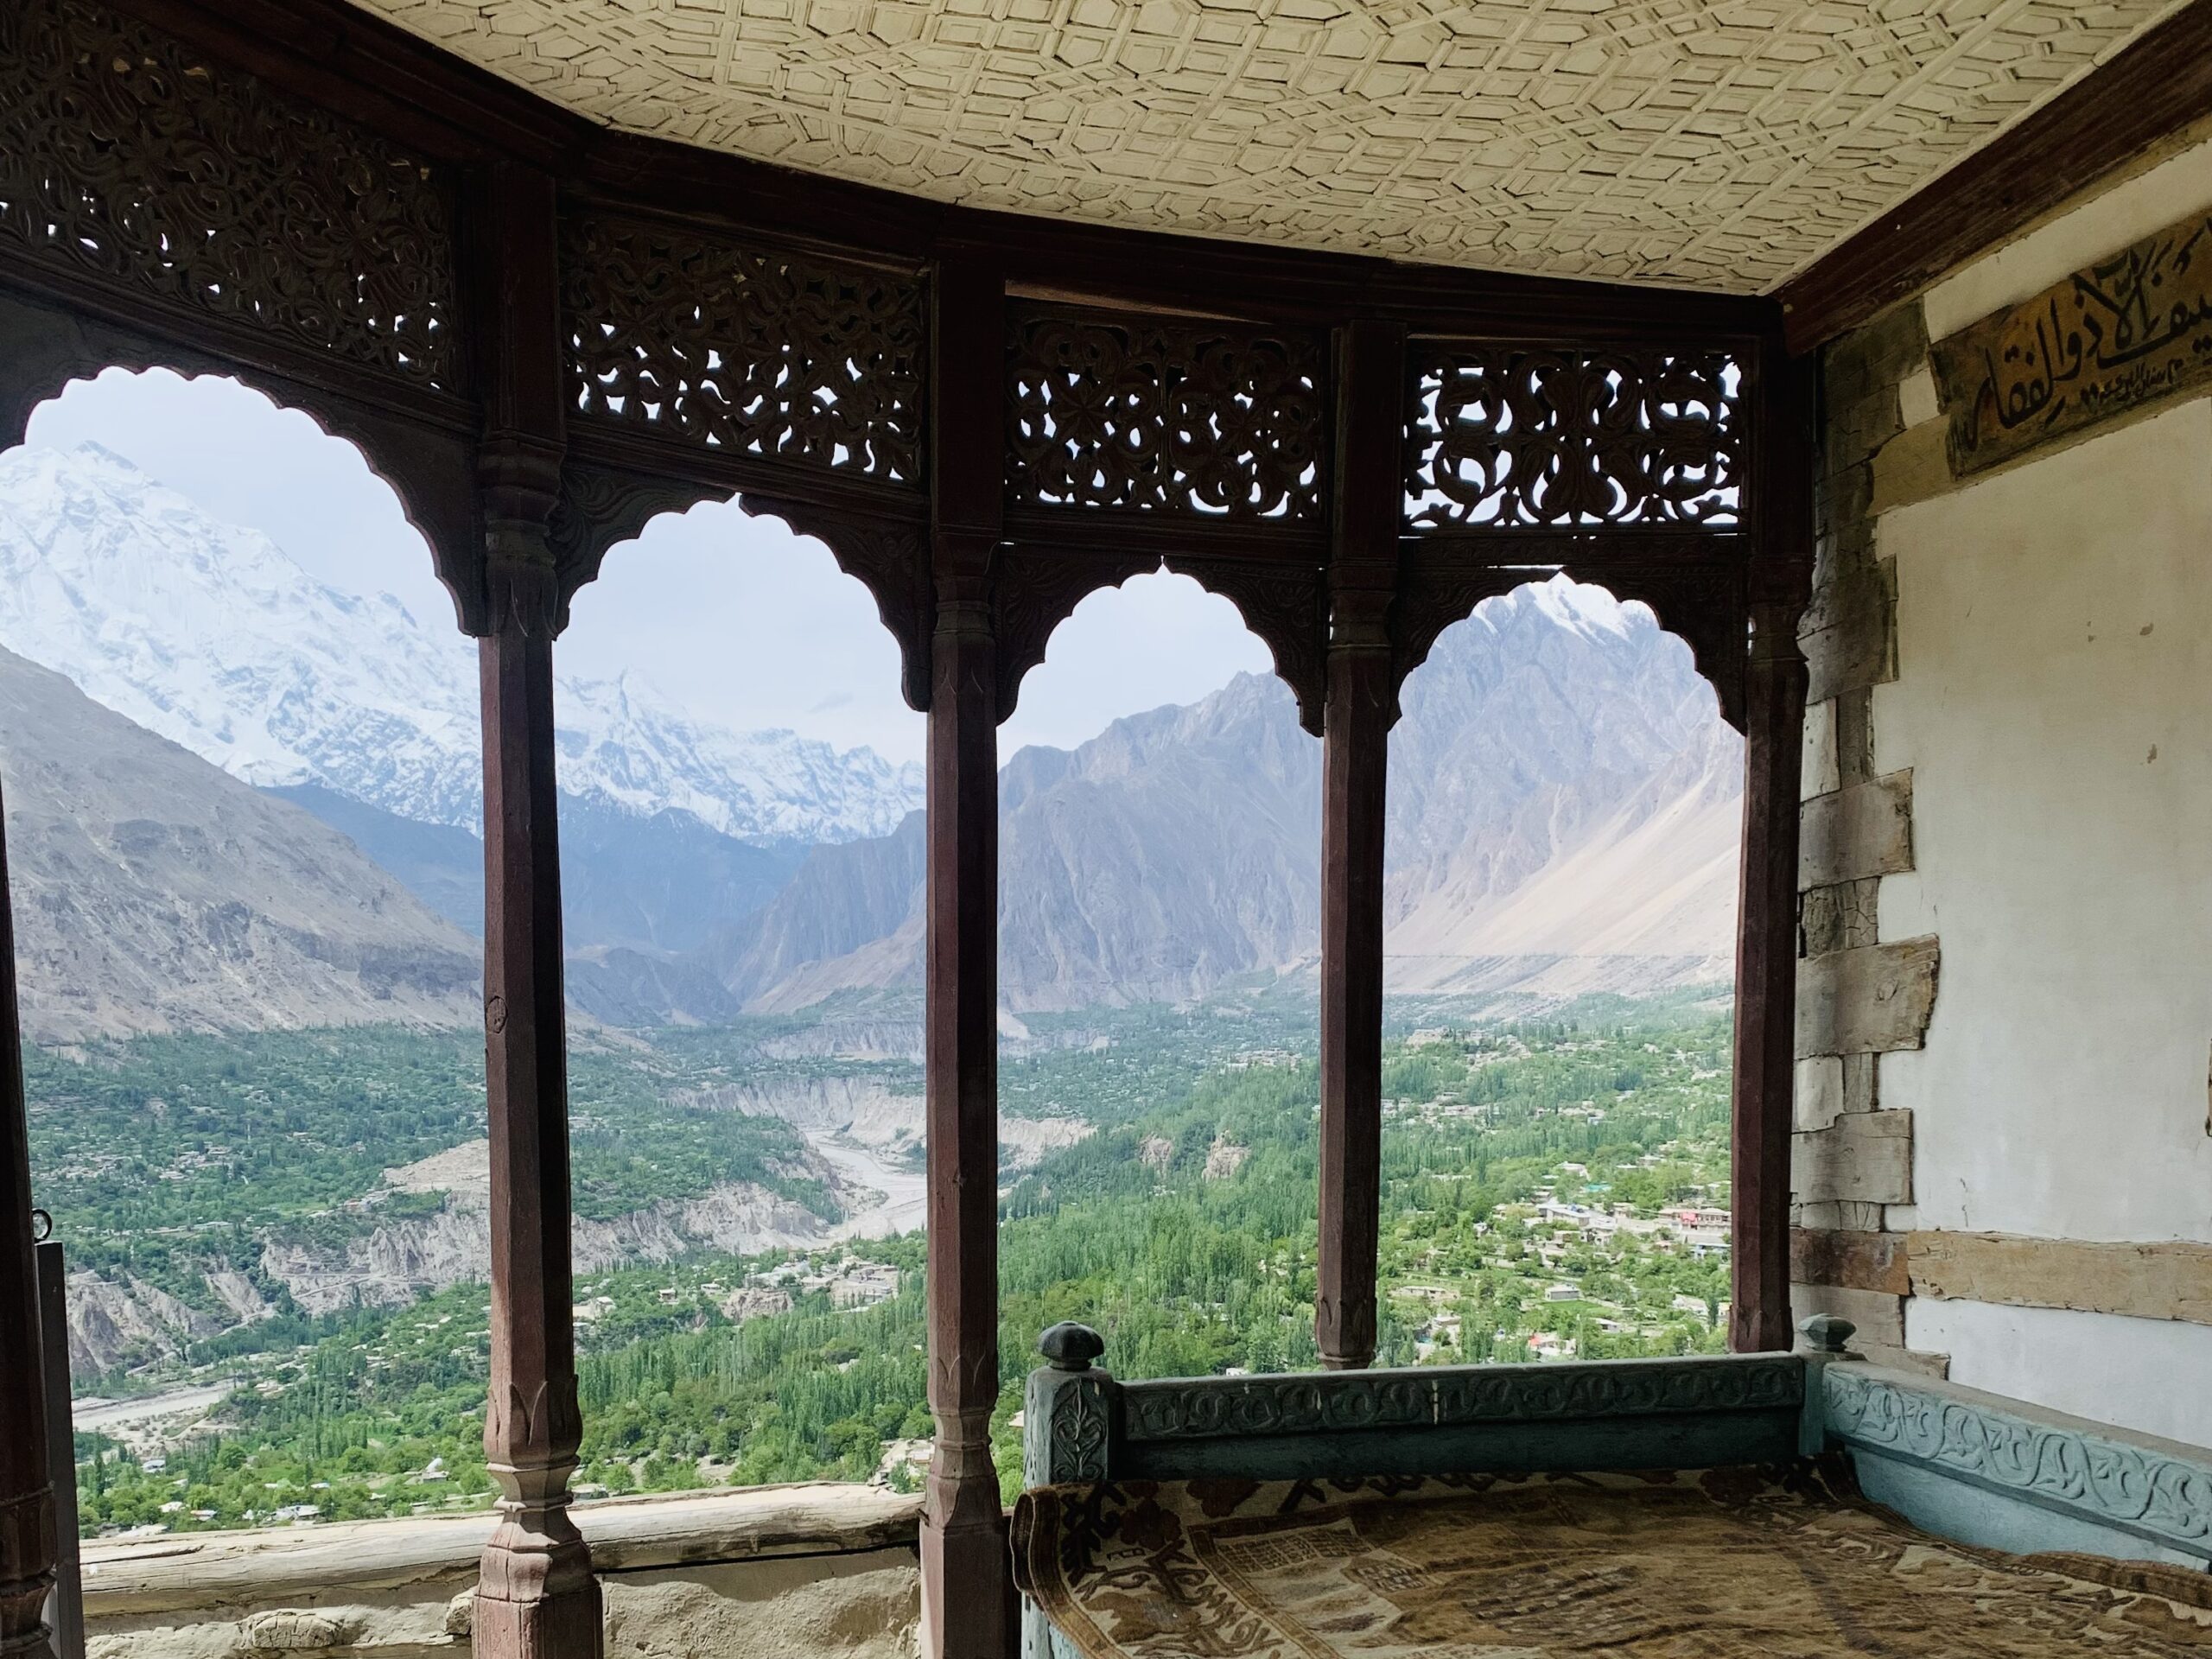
(1719, 146)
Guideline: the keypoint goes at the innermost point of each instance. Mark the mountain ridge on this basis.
(152, 891)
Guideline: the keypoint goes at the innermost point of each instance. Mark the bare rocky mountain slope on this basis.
(154, 892)
(1565, 804)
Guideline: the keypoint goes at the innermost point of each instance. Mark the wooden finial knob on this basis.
(1829, 1334)
(1071, 1347)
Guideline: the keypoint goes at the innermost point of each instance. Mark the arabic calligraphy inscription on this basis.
(2125, 331)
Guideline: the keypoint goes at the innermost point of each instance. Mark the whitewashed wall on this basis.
(2053, 700)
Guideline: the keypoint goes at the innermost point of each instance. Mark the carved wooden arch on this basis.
(430, 470)
(603, 506)
(600, 507)
(1698, 600)
(1033, 592)
(1701, 602)
(1287, 606)
(890, 558)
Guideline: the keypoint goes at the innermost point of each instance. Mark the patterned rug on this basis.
(1719, 1564)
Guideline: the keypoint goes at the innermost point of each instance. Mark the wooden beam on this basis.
(1766, 924)
(2156, 86)
(2162, 1280)
(28, 1548)
(967, 1606)
(1355, 762)
(1848, 1260)
(536, 1598)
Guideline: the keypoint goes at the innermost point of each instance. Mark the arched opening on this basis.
(1564, 820)
(240, 732)
(741, 795)
(1159, 896)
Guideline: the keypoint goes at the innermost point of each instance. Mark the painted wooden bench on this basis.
(1966, 1465)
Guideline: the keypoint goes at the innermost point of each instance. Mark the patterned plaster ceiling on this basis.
(1722, 144)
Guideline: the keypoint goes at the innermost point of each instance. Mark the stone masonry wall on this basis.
(1860, 996)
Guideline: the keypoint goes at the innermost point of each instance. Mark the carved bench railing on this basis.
(2004, 1475)
(1081, 1424)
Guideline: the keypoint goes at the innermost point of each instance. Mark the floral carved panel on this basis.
(1217, 421)
(131, 161)
(755, 351)
(1504, 438)
(1223, 1408)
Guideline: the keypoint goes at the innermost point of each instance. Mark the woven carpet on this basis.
(1716, 1564)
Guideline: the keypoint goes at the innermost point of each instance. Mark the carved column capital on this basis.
(1360, 608)
(522, 589)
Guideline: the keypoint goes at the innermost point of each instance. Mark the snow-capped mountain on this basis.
(212, 636)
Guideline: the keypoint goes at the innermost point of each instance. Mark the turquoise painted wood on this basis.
(2006, 1475)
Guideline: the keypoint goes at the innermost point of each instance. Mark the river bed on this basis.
(905, 1192)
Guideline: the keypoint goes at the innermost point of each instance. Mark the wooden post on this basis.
(967, 1606)
(1355, 769)
(536, 1598)
(1766, 984)
(66, 1613)
(29, 1547)
(1766, 918)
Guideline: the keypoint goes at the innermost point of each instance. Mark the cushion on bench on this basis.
(1717, 1564)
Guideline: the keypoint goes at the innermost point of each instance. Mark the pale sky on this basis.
(733, 618)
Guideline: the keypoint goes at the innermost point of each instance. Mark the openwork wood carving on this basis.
(130, 162)
(758, 352)
(2108, 1480)
(1504, 438)
(1216, 420)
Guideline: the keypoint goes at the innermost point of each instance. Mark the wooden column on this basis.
(536, 1598)
(1766, 916)
(967, 1608)
(28, 1544)
(1355, 769)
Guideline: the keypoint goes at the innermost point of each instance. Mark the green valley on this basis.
(1553, 1186)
